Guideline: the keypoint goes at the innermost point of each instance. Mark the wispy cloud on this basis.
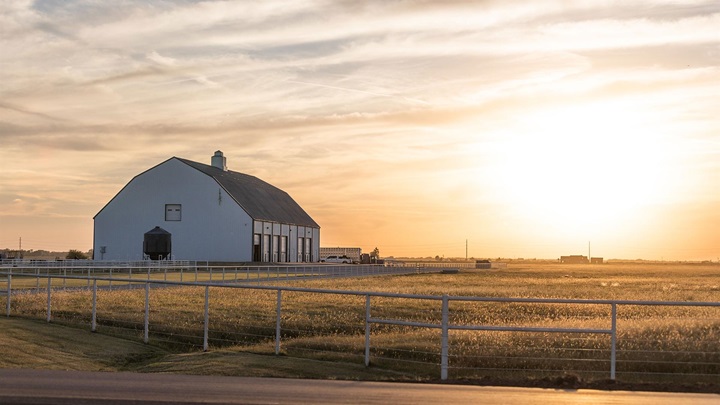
(27, 112)
(419, 101)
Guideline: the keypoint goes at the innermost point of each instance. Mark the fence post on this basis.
(444, 349)
(88, 283)
(49, 285)
(93, 324)
(9, 291)
(613, 341)
(146, 337)
(110, 283)
(206, 323)
(37, 280)
(367, 330)
(277, 321)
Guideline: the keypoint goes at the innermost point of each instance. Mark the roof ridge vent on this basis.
(219, 161)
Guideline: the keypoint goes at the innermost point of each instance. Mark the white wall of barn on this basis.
(213, 226)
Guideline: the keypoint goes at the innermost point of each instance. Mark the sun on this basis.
(595, 165)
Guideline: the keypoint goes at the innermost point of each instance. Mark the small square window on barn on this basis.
(173, 212)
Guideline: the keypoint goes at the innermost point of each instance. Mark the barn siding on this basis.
(213, 226)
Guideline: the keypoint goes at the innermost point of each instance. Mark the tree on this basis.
(375, 253)
(74, 254)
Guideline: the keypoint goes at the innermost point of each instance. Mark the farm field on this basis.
(666, 282)
(655, 344)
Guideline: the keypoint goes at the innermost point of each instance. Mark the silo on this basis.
(157, 243)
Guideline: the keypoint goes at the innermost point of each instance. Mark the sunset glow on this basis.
(596, 166)
(527, 129)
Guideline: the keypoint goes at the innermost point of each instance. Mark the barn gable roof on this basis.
(261, 200)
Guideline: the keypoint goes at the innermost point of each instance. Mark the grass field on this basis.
(36, 344)
(654, 343)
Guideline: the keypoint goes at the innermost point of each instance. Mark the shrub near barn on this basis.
(76, 255)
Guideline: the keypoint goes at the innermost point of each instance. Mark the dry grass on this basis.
(653, 342)
(36, 344)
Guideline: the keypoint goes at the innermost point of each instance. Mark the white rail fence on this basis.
(170, 264)
(444, 314)
(116, 272)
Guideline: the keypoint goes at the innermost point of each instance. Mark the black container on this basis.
(157, 243)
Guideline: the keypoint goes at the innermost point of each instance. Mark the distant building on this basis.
(351, 252)
(209, 213)
(596, 260)
(367, 258)
(574, 259)
(483, 264)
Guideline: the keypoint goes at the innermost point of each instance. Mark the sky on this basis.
(528, 129)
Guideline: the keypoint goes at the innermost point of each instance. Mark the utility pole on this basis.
(466, 249)
(20, 244)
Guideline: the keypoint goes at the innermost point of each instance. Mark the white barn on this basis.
(211, 213)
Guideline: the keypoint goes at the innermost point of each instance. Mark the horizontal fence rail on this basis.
(113, 273)
(31, 264)
(566, 318)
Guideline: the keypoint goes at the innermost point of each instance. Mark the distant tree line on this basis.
(41, 254)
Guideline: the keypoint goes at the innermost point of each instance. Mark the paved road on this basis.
(79, 387)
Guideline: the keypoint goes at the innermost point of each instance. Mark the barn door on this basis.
(256, 248)
(275, 248)
(266, 248)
